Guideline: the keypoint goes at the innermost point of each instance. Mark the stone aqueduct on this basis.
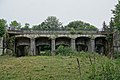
(33, 42)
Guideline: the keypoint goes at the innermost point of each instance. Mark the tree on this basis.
(2, 27)
(15, 24)
(109, 37)
(75, 25)
(80, 25)
(111, 25)
(116, 16)
(26, 27)
(51, 23)
(105, 27)
(36, 27)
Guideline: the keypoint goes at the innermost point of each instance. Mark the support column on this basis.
(73, 44)
(1, 46)
(89, 46)
(14, 46)
(32, 47)
(53, 46)
(92, 45)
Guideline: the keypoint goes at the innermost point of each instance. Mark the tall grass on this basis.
(80, 66)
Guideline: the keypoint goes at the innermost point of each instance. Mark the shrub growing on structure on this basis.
(2, 27)
(116, 54)
(65, 51)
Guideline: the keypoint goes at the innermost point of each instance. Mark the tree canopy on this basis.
(80, 25)
(116, 16)
(105, 27)
(16, 25)
(53, 23)
(26, 26)
(50, 23)
(2, 27)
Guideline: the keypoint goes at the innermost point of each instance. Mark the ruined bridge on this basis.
(29, 42)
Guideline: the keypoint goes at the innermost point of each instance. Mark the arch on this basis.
(65, 41)
(99, 36)
(64, 35)
(22, 46)
(25, 36)
(42, 41)
(42, 44)
(85, 36)
(22, 41)
(82, 43)
(100, 44)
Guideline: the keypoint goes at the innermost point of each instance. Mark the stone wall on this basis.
(116, 41)
(86, 41)
(1, 46)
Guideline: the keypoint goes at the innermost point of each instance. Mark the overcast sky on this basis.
(36, 11)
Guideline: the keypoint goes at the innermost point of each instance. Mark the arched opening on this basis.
(64, 41)
(100, 45)
(42, 44)
(82, 43)
(22, 46)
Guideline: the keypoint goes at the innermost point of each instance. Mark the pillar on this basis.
(73, 44)
(89, 45)
(32, 47)
(53, 47)
(1, 46)
(92, 45)
(14, 46)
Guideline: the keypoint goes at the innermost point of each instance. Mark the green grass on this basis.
(52, 67)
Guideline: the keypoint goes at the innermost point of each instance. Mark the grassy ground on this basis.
(51, 67)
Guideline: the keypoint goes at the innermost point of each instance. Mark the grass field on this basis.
(52, 67)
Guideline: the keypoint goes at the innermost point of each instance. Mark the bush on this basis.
(8, 52)
(45, 53)
(65, 51)
(116, 54)
(106, 70)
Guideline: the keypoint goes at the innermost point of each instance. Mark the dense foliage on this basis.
(26, 26)
(116, 16)
(90, 67)
(15, 25)
(53, 23)
(50, 23)
(65, 51)
(80, 25)
(2, 27)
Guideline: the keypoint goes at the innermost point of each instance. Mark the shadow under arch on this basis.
(42, 44)
(63, 40)
(101, 45)
(82, 43)
(22, 46)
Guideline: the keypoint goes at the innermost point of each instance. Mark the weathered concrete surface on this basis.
(86, 41)
(1, 46)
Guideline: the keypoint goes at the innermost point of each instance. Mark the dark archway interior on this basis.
(64, 41)
(100, 48)
(22, 50)
(81, 47)
(61, 45)
(100, 45)
(82, 43)
(42, 44)
(22, 46)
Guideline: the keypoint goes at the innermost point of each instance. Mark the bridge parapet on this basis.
(59, 35)
(53, 32)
